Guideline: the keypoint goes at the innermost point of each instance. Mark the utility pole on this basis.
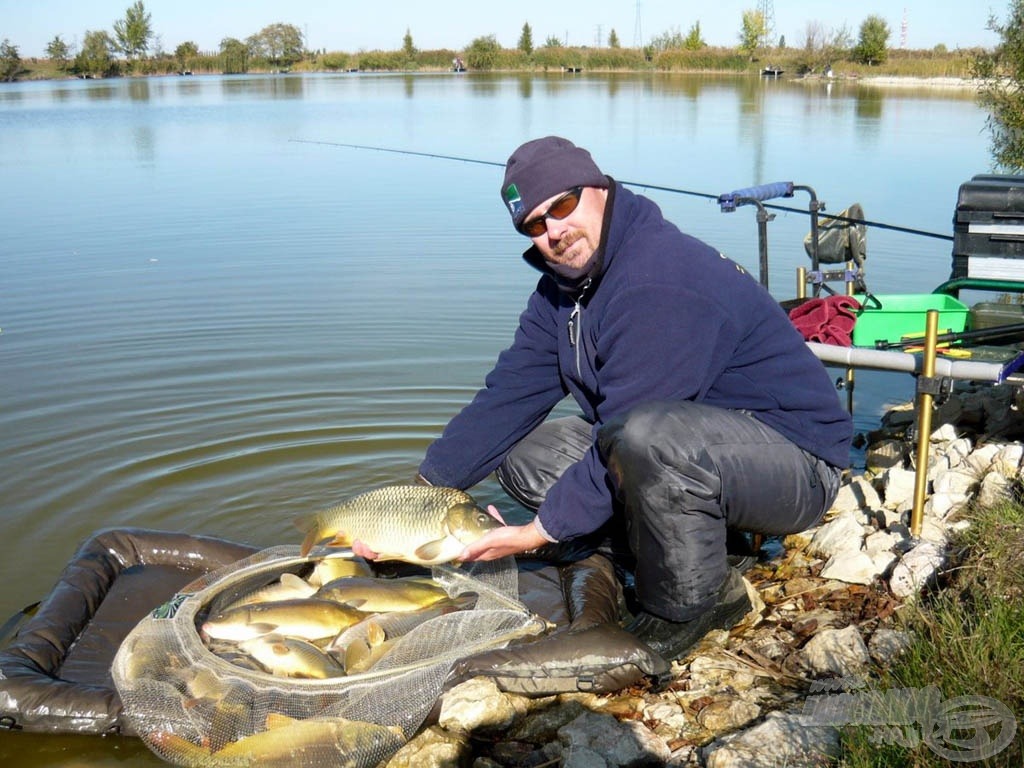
(903, 30)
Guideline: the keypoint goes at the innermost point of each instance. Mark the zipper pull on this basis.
(573, 317)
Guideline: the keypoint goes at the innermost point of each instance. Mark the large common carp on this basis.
(420, 524)
(309, 619)
(383, 595)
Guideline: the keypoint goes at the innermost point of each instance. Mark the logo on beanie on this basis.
(514, 201)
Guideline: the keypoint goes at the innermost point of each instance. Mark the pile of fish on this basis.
(341, 619)
(287, 742)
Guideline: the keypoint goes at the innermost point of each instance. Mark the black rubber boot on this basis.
(672, 639)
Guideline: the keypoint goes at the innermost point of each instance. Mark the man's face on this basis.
(570, 242)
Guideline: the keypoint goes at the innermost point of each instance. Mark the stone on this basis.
(781, 740)
(981, 458)
(1008, 460)
(628, 743)
(840, 534)
(837, 652)
(916, 569)
(995, 487)
(852, 567)
(886, 645)
(856, 495)
(880, 541)
(899, 487)
(476, 705)
(434, 747)
(727, 714)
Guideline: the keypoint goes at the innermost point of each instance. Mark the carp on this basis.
(309, 619)
(418, 524)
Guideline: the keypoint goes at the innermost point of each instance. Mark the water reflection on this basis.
(138, 89)
(869, 103)
(264, 86)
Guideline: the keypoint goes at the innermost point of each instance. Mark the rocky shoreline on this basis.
(778, 688)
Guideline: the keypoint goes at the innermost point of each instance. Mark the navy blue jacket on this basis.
(664, 316)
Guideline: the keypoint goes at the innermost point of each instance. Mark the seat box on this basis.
(903, 315)
(989, 314)
(989, 225)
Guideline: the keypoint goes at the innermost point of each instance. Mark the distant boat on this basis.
(771, 71)
(458, 65)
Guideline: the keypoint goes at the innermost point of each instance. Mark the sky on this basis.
(344, 25)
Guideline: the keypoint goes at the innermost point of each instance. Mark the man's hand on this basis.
(501, 542)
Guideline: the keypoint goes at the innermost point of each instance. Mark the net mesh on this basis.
(195, 703)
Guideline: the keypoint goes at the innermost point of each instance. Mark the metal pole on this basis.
(801, 282)
(763, 217)
(924, 421)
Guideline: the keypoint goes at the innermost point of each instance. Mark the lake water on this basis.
(214, 320)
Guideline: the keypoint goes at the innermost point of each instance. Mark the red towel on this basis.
(829, 320)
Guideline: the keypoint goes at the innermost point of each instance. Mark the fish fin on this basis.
(430, 551)
(357, 655)
(375, 633)
(263, 627)
(297, 583)
(311, 540)
(278, 720)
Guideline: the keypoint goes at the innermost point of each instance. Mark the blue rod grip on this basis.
(761, 192)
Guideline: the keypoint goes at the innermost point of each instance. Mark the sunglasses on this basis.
(559, 209)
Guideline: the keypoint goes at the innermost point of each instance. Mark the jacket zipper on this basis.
(576, 325)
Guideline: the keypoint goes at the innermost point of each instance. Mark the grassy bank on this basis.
(968, 641)
(794, 62)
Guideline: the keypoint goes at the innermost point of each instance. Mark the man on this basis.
(702, 408)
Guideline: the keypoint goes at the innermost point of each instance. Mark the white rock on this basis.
(1007, 462)
(850, 566)
(842, 534)
(995, 487)
(618, 743)
(839, 652)
(899, 487)
(981, 458)
(476, 704)
(883, 561)
(941, 504)
(939, 464)
(724, 715)
(781, 740)
(934, 531)
(955, 482)
(944, 435)
(856, 495)
(916, 568)
(880, 541)
(958, 451)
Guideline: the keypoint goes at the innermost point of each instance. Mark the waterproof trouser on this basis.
(683, 473)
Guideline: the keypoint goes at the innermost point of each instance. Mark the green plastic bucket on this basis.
(904, 315)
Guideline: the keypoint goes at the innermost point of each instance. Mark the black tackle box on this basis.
(988, 228)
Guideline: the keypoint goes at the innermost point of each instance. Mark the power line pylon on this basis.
(638, 35)
(767, 9)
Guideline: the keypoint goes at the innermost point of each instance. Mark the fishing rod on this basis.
(641, 185)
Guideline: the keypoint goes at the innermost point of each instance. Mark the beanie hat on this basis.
(542, 168)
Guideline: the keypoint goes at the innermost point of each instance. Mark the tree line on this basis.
(281, 46)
